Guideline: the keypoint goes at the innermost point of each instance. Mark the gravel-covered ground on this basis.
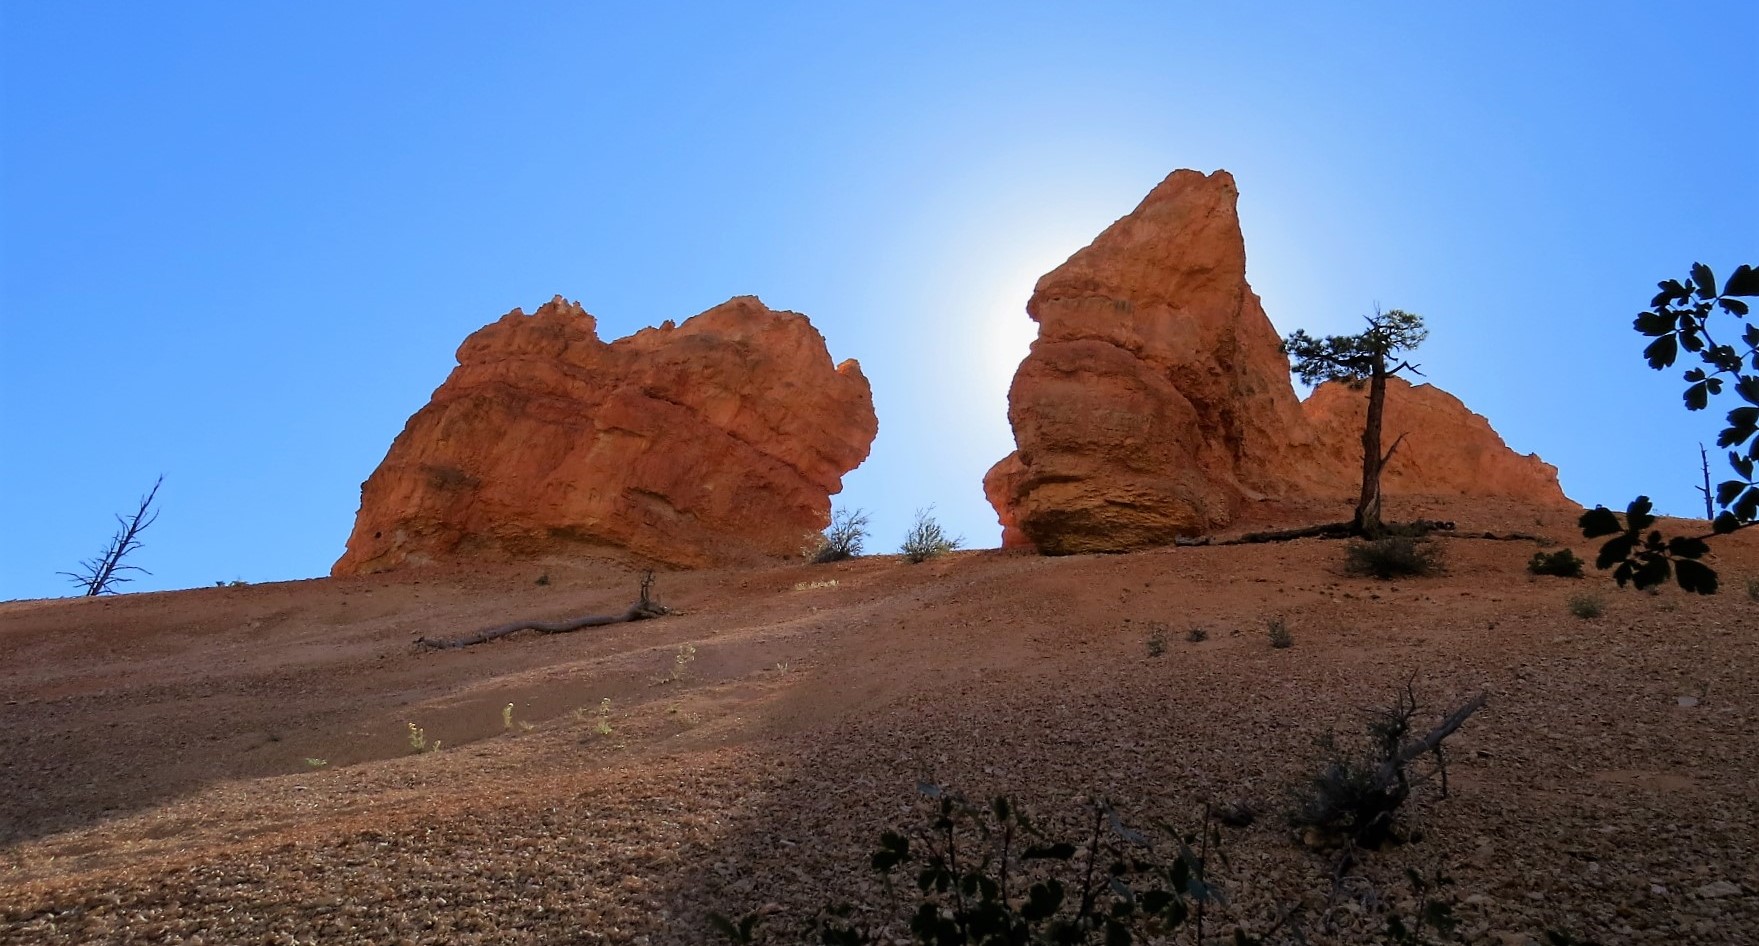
(233, 765)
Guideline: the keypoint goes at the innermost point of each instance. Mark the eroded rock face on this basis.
(1447, 449)
(715, 441)
(1155, 400)
(1157, 403)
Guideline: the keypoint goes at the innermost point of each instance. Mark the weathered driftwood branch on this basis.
(1377, 802)
(1347, 530)
(641, 610)
(1507, 537)
(1329, 530)
(1431, 743)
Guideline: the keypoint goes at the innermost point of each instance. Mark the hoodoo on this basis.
(714, 441)
(1156, 401)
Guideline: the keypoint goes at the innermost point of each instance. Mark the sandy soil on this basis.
(160, 783)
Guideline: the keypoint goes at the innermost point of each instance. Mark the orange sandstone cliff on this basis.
(1156, 401)
(714, 441)
(1447, 451)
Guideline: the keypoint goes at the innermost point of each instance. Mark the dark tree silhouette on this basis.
(102, 573)
(1358, 360)
(1678, 319)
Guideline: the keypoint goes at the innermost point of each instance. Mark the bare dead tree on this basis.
(643, 609)
(102, 573)
(1704, 461)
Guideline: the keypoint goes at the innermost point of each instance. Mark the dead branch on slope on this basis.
(643, 609)
(1357, 798)
(101, 574)
(1346, 530)
(1340, 530)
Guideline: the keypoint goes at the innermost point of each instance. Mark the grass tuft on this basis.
(1587, 606)
(1280, 637)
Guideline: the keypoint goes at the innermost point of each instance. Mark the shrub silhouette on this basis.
(1679, 318)
(989, 875)
(1392, 557)
(1563, 563)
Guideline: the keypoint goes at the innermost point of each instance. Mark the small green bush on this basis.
(1197, 635)
(841, 540)
(1392, 557)
(1563, 563)
(1280, 638)
(926, 539)
(1587, 606)
(1753, 589)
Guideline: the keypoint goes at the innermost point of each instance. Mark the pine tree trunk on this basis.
(1367, 521)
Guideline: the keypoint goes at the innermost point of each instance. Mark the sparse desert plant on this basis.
(418, 740)
(1157, 639)
(234, 583)
(1357, 793)
(1753, 589)
(988, 874)
(1587, 606)
(316, 763)
(603, 726)
(1563, 563)
(543, 579)
(681, 662)
(814, 585)
(509, 721)
(1278, 629)
(926, 539)
(1429, 910)
(101, 574)
(1392, 557)
(841, 540)
(1197, 635)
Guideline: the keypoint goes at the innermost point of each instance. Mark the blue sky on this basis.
(239, 243)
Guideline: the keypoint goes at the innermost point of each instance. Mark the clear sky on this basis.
(240, 242)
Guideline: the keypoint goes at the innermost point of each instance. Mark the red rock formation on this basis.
(713, 441)
(1156, 401)
(1447, 449)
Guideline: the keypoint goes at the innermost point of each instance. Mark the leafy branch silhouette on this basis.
(1679, 320)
